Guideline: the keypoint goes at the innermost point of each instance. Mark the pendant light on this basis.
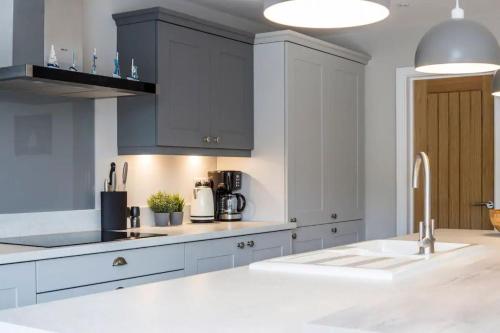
(458, 46)
(326, 13)
(496, 84)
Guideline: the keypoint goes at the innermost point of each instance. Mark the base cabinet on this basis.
(109, 286)
(213, 255)
(313, 238)
(17, 285)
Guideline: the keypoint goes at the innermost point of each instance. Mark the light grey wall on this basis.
(6, 27)
(100, 29)
(391, 49)
(64, 28)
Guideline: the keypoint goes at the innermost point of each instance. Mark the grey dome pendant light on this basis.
(458, 46)
(496, 84)
(325, 14)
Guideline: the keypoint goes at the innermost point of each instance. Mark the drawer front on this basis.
(17, 285)
(63, 273)
(108, 286)
(213, 255)
(267, 246)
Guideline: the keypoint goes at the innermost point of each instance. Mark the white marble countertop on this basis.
(188, 232)
(460, 296)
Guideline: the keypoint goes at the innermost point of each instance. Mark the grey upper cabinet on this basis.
(325, 143)
(204, 76)
(184, 75)
(232, 94)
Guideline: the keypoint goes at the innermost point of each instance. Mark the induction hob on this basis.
(75, 238)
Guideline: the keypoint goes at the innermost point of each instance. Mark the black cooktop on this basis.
(75, 238)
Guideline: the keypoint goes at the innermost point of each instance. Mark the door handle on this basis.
(488, 204)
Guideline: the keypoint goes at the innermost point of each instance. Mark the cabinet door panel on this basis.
(213, 255)
(269, 245)
(324, 236)
(337, 234)
(17, 285)
(349, 232)
(232, 94)
(183, 77)
(308, 239)
(344, 140)
(306, 91)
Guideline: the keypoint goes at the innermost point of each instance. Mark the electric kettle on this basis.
(202, 206)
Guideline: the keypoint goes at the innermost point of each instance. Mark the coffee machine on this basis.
(229, 205)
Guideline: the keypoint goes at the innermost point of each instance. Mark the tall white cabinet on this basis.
(307, 165)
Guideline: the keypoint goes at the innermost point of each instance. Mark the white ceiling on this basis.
(418, 13)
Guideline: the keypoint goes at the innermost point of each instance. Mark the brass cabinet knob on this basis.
(120, 261)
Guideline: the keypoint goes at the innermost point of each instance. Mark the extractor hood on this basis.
(41, 80)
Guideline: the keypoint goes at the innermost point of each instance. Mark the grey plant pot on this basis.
(162, 219)
(176, 218)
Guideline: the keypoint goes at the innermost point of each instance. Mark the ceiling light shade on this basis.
(496, 84)
(325, 14)
(458, 46)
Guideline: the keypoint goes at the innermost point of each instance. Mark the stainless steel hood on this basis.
(41, 80)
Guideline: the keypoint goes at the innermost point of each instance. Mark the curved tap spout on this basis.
(427, 227)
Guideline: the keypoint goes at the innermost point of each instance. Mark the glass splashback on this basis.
(46, 153)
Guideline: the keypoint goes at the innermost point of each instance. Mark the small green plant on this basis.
(160, 203)
(177, 202)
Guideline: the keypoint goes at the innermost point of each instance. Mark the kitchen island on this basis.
(459, 296)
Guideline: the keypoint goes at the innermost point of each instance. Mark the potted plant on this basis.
(161, 207)
(177, 214)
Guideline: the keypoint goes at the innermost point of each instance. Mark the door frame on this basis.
(405, 76)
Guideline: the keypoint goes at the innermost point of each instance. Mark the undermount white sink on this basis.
(378, 259)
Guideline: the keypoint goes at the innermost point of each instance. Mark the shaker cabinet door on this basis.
(17, 285)
(213, 255)
(344, 140)
(317, 237)
(306, 98)
(267, 246)
(183, 110)
(232, 94)
(324, 137)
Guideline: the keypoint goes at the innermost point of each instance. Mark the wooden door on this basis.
(453, 123)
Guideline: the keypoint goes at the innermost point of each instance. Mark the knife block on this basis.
(113, 211)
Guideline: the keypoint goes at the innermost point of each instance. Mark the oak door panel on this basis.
(453, 123)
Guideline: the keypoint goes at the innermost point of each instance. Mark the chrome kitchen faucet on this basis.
(426, 228)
